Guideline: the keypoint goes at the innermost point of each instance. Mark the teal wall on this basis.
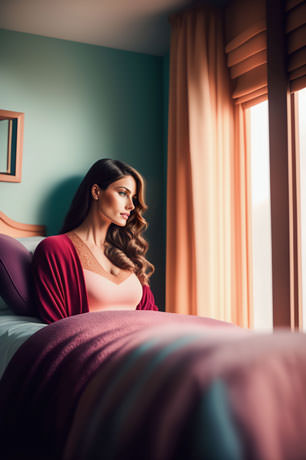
(81, 103)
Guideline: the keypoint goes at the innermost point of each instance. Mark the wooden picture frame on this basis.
(15, 137)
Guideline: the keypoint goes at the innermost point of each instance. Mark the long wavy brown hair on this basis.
(125, 246)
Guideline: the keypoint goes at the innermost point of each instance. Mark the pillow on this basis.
(16, 276)
(30, 242)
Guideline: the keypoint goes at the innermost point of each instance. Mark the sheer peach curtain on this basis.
(207, 223)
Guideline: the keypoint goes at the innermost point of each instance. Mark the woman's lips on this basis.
(125, 216)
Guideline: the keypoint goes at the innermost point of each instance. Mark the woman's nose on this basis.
(130, 204)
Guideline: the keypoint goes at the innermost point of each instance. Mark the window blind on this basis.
(296, 43)
(247, 62)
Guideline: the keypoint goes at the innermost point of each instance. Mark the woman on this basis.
(98, 261)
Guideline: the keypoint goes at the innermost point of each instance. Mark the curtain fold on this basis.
(207, 257)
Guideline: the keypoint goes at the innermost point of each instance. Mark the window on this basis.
(300, 98)
(261, 216)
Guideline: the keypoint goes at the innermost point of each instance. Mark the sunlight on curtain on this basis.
(302, 149)
(202, 244)
(261, 217)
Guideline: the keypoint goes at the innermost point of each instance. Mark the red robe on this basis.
(59, 282)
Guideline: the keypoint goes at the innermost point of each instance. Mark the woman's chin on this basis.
(120, 223)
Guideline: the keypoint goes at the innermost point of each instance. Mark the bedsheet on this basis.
(14, 331)
(157, 386)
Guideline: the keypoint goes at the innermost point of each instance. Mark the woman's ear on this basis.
(95, 192)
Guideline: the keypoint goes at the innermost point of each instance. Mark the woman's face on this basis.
(116, 202)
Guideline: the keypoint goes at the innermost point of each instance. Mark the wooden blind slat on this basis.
(292, 4)
(300, 72)
(299, 83)
(250, 81)
(296, 17)
(256, 100)
(296, 43)
(246, 35)
(254, 45)
(259, 94)
(297, 59)
(249, 64)
(297, 39)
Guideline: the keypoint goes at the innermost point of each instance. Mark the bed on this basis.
(141, 384)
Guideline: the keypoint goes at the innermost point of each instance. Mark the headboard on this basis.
(19, 230)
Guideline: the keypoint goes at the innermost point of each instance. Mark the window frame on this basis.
(282, 189)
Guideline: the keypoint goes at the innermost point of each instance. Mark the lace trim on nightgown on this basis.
(89, 261)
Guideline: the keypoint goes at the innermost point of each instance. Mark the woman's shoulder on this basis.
(53, 243)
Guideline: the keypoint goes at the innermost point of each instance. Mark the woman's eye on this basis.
(122, 193)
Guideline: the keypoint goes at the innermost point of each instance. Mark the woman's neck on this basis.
(92, 232)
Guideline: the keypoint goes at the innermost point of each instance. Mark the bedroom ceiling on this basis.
(133, 25)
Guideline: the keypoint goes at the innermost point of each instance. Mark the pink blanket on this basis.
(144, 384)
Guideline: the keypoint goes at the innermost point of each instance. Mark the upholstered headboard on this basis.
(19, 230)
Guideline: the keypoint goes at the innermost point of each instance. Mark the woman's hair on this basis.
(125, 246)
